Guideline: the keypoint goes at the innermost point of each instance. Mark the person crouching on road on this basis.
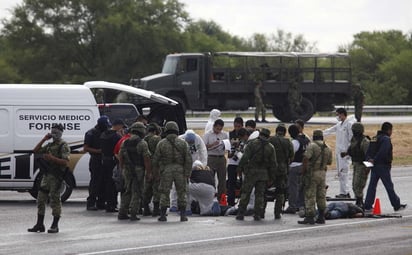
(173, 162)
(56, 156)
(259, 165)
(315, 160)
(202, 189)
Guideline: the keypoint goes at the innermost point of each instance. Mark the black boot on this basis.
(39, 227)
(162, 214)
(156, 209)
(240, 214)
(359, 202)
(182, 214)
(54, 227)
(146, 210)
(278, 206)
(321, 217)
(307, 220)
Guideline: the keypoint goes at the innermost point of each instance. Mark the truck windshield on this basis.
(170, 65)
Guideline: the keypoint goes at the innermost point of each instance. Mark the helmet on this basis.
(137, 127)
(318, 133)
(171, 125)
(358, 127)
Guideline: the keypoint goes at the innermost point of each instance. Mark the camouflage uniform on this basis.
(259, 165)
(358, 101)
(53, 171)
(174, 163)
(260, 107)
(151, 186)
(284, 155)
(357, 150)
(294, 98)
(318, 156)
(133, 152)
(52, 180)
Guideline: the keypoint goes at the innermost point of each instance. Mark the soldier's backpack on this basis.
(130, 145)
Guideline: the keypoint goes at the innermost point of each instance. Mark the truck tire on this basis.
(306, 111)
(66, 188)
(284, 114)
(281, 112)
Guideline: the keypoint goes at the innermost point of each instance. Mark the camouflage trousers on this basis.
(131, 198)
(260, 186)
(259, 108)
(49, 188)
(172, 173)
(281, 190)
(315, 192)
(360, 176)
(151, 190)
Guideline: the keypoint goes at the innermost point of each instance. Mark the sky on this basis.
(329, 23)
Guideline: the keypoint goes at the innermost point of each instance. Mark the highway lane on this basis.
(200, 122)
(84, 232)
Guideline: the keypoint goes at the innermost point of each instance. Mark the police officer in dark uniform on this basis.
(108, 140)
(92, 146)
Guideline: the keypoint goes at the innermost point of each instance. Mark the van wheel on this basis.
(66, 188)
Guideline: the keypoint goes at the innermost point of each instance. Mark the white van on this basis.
(27, 112)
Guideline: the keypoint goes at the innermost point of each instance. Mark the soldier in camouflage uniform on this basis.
(173, 162)
(259, 165)
(284, 156)
(151, 186)
(55, 157)
(358, 101)
(259, 105)
(357, 151)
(134, 160)
(315, 160)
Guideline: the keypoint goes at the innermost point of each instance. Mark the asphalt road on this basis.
(84, 232)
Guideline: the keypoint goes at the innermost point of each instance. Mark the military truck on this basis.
(296, 85)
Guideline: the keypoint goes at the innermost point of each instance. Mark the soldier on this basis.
(358, 101)
(259, 105)
(315, 160)
(95, 200)
(259, 165)
(173, 162)
(357, 150)
(151, 186)
(294, 97)
(56, 156)
(134, 159)
(284, 156)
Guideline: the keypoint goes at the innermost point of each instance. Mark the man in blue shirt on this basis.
(380, 155)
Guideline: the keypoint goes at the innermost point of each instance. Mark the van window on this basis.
(126, 112)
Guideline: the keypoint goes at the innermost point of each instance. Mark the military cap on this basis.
(171, 125)
(58, 126)
(317, 133)
(265, 132)
(281, 128)
(357, 127)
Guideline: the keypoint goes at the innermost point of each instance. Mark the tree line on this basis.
(73, 41)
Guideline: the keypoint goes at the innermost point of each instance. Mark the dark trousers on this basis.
(96, 184)
(231, 184)
(382, 172)
(110, 193)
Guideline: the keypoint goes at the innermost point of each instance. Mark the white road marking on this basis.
(236, 237)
